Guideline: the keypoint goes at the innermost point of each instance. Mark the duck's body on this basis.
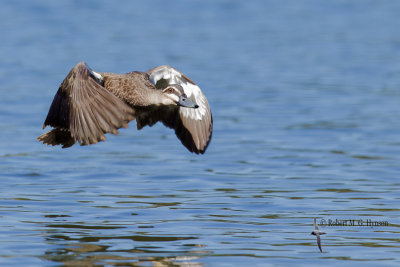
(89, 104)
(133, 88)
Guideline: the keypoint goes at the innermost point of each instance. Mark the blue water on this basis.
(305, 98)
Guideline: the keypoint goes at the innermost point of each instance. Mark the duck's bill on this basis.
(186, 102)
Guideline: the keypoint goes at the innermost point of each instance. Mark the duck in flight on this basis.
(89, 104)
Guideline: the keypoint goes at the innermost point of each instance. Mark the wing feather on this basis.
(193, 126)
(315, 224)
(319, 243)
(85, 110)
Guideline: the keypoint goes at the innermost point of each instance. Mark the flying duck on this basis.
(89, 104)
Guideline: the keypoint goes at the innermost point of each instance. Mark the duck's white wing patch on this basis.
(96, 76)
(197, 121)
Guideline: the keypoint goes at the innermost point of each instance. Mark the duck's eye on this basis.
(170, 90)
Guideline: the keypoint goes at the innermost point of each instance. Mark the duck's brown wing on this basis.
(171, 118)
(83, 110)
(192, 126)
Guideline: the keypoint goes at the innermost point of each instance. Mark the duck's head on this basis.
(175, 94)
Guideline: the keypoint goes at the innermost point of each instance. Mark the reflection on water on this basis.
(122, 250)
(248, 222)
(75, 256)
(304, 99)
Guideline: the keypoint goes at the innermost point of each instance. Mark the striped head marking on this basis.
(176, 94)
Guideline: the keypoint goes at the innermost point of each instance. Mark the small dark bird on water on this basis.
(89, 104)
(318, 234)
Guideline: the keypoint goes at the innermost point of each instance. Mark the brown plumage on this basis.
(89, 104)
